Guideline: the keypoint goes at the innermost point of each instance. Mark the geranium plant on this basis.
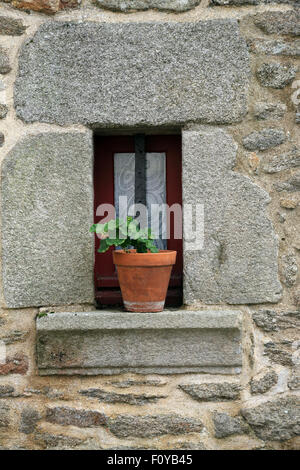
(124, 234)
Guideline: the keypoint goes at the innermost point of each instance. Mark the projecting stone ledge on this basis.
(112, 342)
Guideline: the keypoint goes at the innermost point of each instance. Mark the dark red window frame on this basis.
(107, 289)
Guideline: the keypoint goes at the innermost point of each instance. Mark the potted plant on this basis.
(143, 270)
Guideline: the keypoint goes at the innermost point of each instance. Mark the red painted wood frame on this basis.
(106, 281)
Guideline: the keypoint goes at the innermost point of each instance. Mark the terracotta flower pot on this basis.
(144, 278)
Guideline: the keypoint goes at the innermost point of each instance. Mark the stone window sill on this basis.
(112, 342)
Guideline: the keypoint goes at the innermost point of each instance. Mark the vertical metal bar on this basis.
(140, 169)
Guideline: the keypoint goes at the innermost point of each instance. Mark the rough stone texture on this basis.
(17, 364)
(289, 269)
(294, 381)
(90, 57)
(29, 420)
(44, 6)
(131, 383)
(13, 336)
(169, 445)
(112, 342)
(154, 425)
(2, 138)
(237, 266)
(11, 26)
(285, 161)
(52, 263)
(297, 299)
(269, 320)
(226, 425)
(279, 352)
(263, 111)
(49, 7)
(275, 47)
(59, 441)
(276, 75)
(129, 398)
(4, 415)
(275, 420)
(290, 185)
(52, 394)
(188, 446)
(6, 391)
(281, 217)
(4, 61)
(162, 5)
(3, 110)
(288, 203)
(249, 2)
(266, 320)
(20, 392)
(67, 4)
(264, 384)
(225, 391)
(278, 22)
(264, 139)
(66, 416)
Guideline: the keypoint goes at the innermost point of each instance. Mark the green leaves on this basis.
(125, 234)
(103, 246)
(151, 246)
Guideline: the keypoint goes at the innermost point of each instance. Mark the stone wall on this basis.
(256, 409)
